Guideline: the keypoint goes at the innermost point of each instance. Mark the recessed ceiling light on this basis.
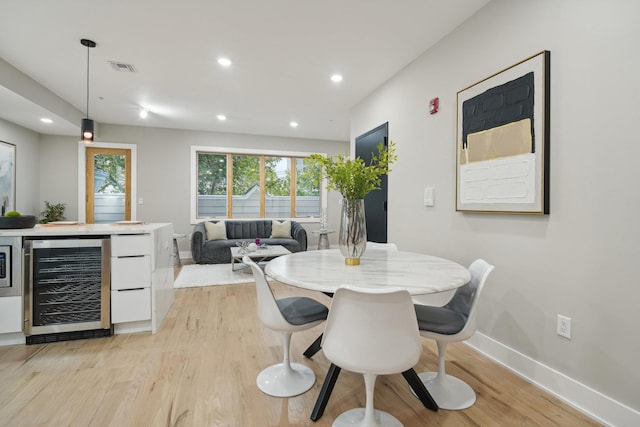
(336, 78)
(144, 113)
(221, 117)
(293, 124)
(46, 120)
(225, 62)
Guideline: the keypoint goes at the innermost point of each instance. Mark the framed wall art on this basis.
(502, 161)
(7, 177)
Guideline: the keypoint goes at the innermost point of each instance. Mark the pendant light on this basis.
(86, 128)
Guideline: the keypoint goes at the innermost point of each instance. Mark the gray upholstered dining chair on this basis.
(285, 315)
(372, 332)
(456, 321)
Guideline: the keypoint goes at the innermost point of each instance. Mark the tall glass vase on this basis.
(353, 231)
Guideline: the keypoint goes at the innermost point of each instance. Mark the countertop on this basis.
(81, 229)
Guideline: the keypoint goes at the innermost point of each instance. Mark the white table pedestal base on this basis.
(278, 381)
(354, 417)
(449, 393)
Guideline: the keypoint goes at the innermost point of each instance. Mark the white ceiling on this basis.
(283, 53)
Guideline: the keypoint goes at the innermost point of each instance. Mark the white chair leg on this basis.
(286, 379)
(369, 387)
(286, 346)
(448, 391)
(367, 416)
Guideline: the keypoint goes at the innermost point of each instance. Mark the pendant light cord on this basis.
(88, 81)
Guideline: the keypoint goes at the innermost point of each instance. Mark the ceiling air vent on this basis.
(121, 66)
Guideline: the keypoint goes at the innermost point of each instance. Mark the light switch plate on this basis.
(429, 196)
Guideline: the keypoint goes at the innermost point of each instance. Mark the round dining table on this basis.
(325, 271)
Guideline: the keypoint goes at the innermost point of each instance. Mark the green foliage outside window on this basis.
(112, 166)
(212, 173)
(245, 168)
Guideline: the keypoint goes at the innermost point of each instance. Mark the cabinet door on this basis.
(130, 305)
(10, 315)
(130, 272)
(128, 245)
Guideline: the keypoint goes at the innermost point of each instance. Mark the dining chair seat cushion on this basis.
(441, 320)
(302, 310)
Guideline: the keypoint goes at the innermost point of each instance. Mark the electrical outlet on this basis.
(564, 326)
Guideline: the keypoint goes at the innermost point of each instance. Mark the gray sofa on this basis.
(218, 251)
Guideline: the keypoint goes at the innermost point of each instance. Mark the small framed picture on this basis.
(7, 177)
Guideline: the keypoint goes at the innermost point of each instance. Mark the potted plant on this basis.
(52, 212)
(353, 179)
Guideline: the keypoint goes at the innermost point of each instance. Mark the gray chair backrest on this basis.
(464, 298)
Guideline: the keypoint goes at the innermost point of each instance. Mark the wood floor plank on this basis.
(200, 370)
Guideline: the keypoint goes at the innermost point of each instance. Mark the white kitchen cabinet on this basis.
(141, 275)
(131, 278)
(123, 245)
(130, 305)
(130, 272)
(11, 314)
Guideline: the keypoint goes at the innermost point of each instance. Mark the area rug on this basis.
(194, 275)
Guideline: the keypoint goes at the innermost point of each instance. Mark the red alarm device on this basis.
(434, 105)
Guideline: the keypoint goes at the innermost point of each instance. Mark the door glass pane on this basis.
(278, 183)
(307, 191)
(109, 185)
(212, 185)
(246, 187)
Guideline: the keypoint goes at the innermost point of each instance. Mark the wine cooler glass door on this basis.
(68, 286)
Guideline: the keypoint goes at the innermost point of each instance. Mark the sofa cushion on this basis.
(216, 230)
(281, 230)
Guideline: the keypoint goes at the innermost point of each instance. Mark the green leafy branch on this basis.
(52, 212)
(352, 177)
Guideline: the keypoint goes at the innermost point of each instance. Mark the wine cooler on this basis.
(67, 289)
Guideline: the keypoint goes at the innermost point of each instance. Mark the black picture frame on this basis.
(502, 140)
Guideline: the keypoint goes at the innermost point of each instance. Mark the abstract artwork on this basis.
(7, 177)
(502, 141)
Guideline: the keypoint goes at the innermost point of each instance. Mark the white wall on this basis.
(163, 169)
(579, 261)
(58, 177)
(27, 162)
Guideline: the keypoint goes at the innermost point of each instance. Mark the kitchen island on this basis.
(139, 273)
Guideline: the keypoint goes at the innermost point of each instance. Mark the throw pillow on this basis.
(281, 230)
(215, 230)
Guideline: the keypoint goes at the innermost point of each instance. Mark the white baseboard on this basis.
(12, 339)
(585, 399)
(132, 327)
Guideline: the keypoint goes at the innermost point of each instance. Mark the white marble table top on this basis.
(325, 271)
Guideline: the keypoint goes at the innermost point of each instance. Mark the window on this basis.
(90, 207)
(264, 184)
(108, 180)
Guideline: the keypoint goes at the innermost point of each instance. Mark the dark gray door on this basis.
(375, 203)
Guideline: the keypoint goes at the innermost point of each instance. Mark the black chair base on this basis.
(332, 376)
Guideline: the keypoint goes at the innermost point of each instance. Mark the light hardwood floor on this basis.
(200, 370)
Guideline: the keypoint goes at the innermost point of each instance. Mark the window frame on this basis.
(82, 177)
(193, 183)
